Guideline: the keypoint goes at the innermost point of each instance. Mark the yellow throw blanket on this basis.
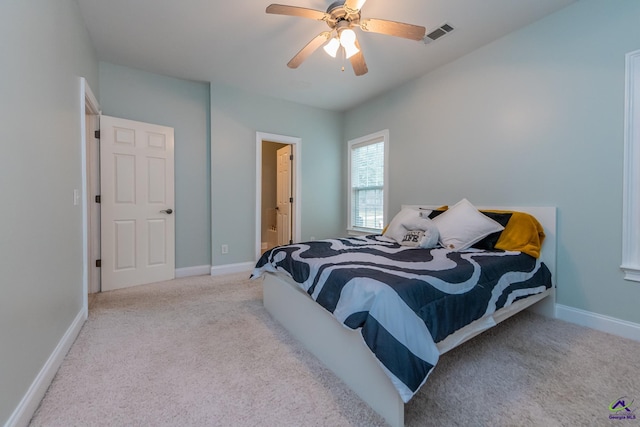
(523, 233)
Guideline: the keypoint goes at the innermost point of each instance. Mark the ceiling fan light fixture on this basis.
(348, 41)
(347, 37)
(332, 47)
(350, 50)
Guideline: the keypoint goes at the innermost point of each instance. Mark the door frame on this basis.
(89, 107)
(296, 150)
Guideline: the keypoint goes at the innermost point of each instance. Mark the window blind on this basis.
(367, 185)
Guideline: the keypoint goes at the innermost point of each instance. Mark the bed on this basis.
(338, 334)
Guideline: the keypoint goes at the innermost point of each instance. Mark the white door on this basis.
(283, 195)
(137, 202)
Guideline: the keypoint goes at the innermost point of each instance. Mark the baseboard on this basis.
(31, 400)
(599, 322)
(197, 270)
(219, 270)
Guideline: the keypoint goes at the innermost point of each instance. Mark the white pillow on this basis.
(409, 219)
(422, 233)
(462, 225)
(395, 230)
(412, 238)
(430, 229)
(424, 213)
(431, 236)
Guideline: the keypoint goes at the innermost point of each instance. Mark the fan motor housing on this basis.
(338, 12)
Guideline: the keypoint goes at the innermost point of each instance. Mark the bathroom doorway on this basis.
(277, 190)
(276, 195)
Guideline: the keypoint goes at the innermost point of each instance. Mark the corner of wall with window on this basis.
(534, 118)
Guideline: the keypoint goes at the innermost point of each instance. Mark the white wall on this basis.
(535, 118)
(44, 50)
(236, 116)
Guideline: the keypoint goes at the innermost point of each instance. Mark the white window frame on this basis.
(631, 189)
(373, 138)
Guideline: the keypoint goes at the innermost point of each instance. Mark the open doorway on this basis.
(275, 227)
(277, 190)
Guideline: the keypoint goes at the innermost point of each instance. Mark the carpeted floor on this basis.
(202, 351)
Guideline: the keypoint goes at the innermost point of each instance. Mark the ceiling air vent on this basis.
(434, 35)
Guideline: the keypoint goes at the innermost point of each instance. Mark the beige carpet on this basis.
(203, 351)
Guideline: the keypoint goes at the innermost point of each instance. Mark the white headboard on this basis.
(546, 215)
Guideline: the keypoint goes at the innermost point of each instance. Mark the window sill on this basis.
(360, 232)
(631, 273)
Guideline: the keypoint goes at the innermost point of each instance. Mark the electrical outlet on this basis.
(224, 249)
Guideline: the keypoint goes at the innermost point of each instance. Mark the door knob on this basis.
(167, 211)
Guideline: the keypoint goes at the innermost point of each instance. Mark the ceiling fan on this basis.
(342, 17)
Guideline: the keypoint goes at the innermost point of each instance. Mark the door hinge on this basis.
(98, 263)
(290, 156)
(290, 199)
(97, 199)
(96, 134)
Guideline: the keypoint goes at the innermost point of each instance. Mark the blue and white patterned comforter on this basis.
(405, 300)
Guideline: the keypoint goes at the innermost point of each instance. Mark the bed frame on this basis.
(343, 350)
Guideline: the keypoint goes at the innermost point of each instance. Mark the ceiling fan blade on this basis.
(281, 9)
(357, 62)
(304, 53)
(392, 28)
(354, 4)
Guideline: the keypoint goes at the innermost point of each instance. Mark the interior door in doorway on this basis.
(93, 209)
(137, 203)
(284, 195)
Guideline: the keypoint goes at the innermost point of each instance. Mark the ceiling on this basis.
(236, 43)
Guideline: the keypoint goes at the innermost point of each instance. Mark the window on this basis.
(631, 189)
(368, 182)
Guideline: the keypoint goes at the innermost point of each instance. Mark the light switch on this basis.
(76, 197)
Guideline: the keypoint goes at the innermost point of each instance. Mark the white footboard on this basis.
(340, 349)
(343, 351)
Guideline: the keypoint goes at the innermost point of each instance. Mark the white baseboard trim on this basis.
(599, 322)
(197, 270)
(219, 270)
(31, 400)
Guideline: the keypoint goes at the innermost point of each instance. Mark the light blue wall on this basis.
(535, 118)
(184, 106)
(236, 116)
(44, 49)
(233, 120)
